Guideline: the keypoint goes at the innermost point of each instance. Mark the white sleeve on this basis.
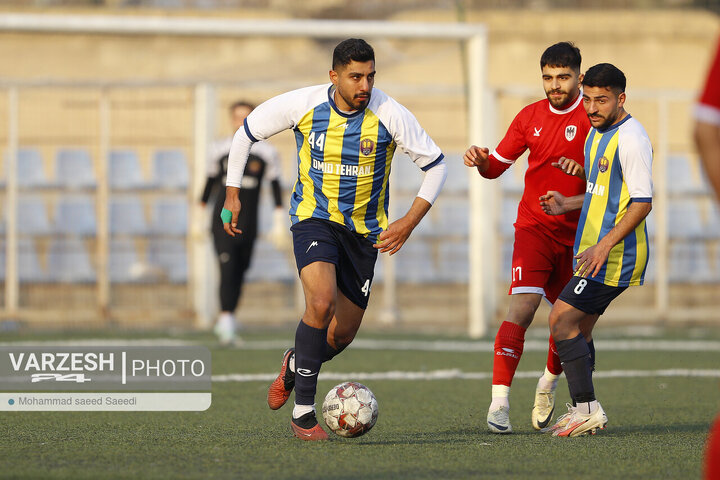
(271, 157)
(635, 153)
(406, 131)
(271, 117)
(433, 182)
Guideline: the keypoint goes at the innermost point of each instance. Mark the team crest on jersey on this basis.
(570, 132)
(367, 147)
(603, 164)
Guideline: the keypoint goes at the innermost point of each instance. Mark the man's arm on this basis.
(590, 260)
(707, 140)
(555, 203)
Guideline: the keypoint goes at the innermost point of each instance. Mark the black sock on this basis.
(309, 353)
(331, 352)
(574, 354)
(591, 347)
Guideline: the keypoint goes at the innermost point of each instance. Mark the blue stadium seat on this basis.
(125, 171)
(30, 169)
(712, 229)
(69, 261)
(415, 263)
(123, 257)
(685, 220)
(170, 255)
(2, 259)
(452, 216)
(75, 214)
(505, 274)
(681, 177)
(127, 216)
(453, 264)
(269, 264)
(511, 181)
(507, 217)
(74, 168)
(689, 263)
(29, 269)
(457, 174)
(32, 217)
(170, 215)
(170, 169)
(405, 175)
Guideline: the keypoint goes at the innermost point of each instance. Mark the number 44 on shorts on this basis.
(366, 287)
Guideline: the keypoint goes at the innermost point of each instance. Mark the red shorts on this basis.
(540, 264)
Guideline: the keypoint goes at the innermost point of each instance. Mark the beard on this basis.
(604, 121)
(356, 102)
(558, 102)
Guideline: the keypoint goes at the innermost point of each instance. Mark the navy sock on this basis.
(591, 347)
(309, 353)
(574, 354)
(331, 352)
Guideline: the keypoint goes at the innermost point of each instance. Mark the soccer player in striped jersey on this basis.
(346, 134)
(553, 129)
(611, 244)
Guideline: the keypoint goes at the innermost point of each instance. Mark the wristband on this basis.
(226, 215)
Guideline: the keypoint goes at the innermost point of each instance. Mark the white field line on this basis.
(454, 374)
(390, 345)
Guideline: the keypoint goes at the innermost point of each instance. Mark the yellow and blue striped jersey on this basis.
(344, 159)
(618, 165)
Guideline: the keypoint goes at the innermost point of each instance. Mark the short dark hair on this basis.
(241, 103)
(605, 75)
(563, 54)
(351, 49)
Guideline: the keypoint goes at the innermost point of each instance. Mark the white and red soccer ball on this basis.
(350, 409)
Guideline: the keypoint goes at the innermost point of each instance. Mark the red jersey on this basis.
(708, 108)
(549, 133)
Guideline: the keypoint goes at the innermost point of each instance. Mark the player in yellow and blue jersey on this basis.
(346, 134)
(611, 244)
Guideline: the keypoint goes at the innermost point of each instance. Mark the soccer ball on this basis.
(350, 409)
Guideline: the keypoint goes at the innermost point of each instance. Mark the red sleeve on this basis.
(496, 168)
(513, 144)
(711, 92)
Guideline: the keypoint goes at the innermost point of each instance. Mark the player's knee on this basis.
(321, 308)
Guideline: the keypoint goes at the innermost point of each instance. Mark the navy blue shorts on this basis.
(316, 240)
(588, 295)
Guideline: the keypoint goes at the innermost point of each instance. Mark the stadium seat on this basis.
(170, 215)
(453, 266)
(74, 168)
(507, 217)
(170, 255)
(170, 169)
(684, 219)
(29, 269)
(75, 214)
(269, 264)
(681, 177)
(414, 263)
(2, 259)
(457, 174)
(30, 169)
(405, 175)
(125, 171)
(712, 226)
(68, 261)
(689, 263)
(452, 216)
(511, 182)
(127, 216)
(123, 257)
(32, 217)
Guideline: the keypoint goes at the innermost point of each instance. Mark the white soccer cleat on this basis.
(543, 409)
(561, 421)
(498, 420)
(225, 330)
(583, 423)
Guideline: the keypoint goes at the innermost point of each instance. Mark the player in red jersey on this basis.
(707, 124)
(554, 129)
